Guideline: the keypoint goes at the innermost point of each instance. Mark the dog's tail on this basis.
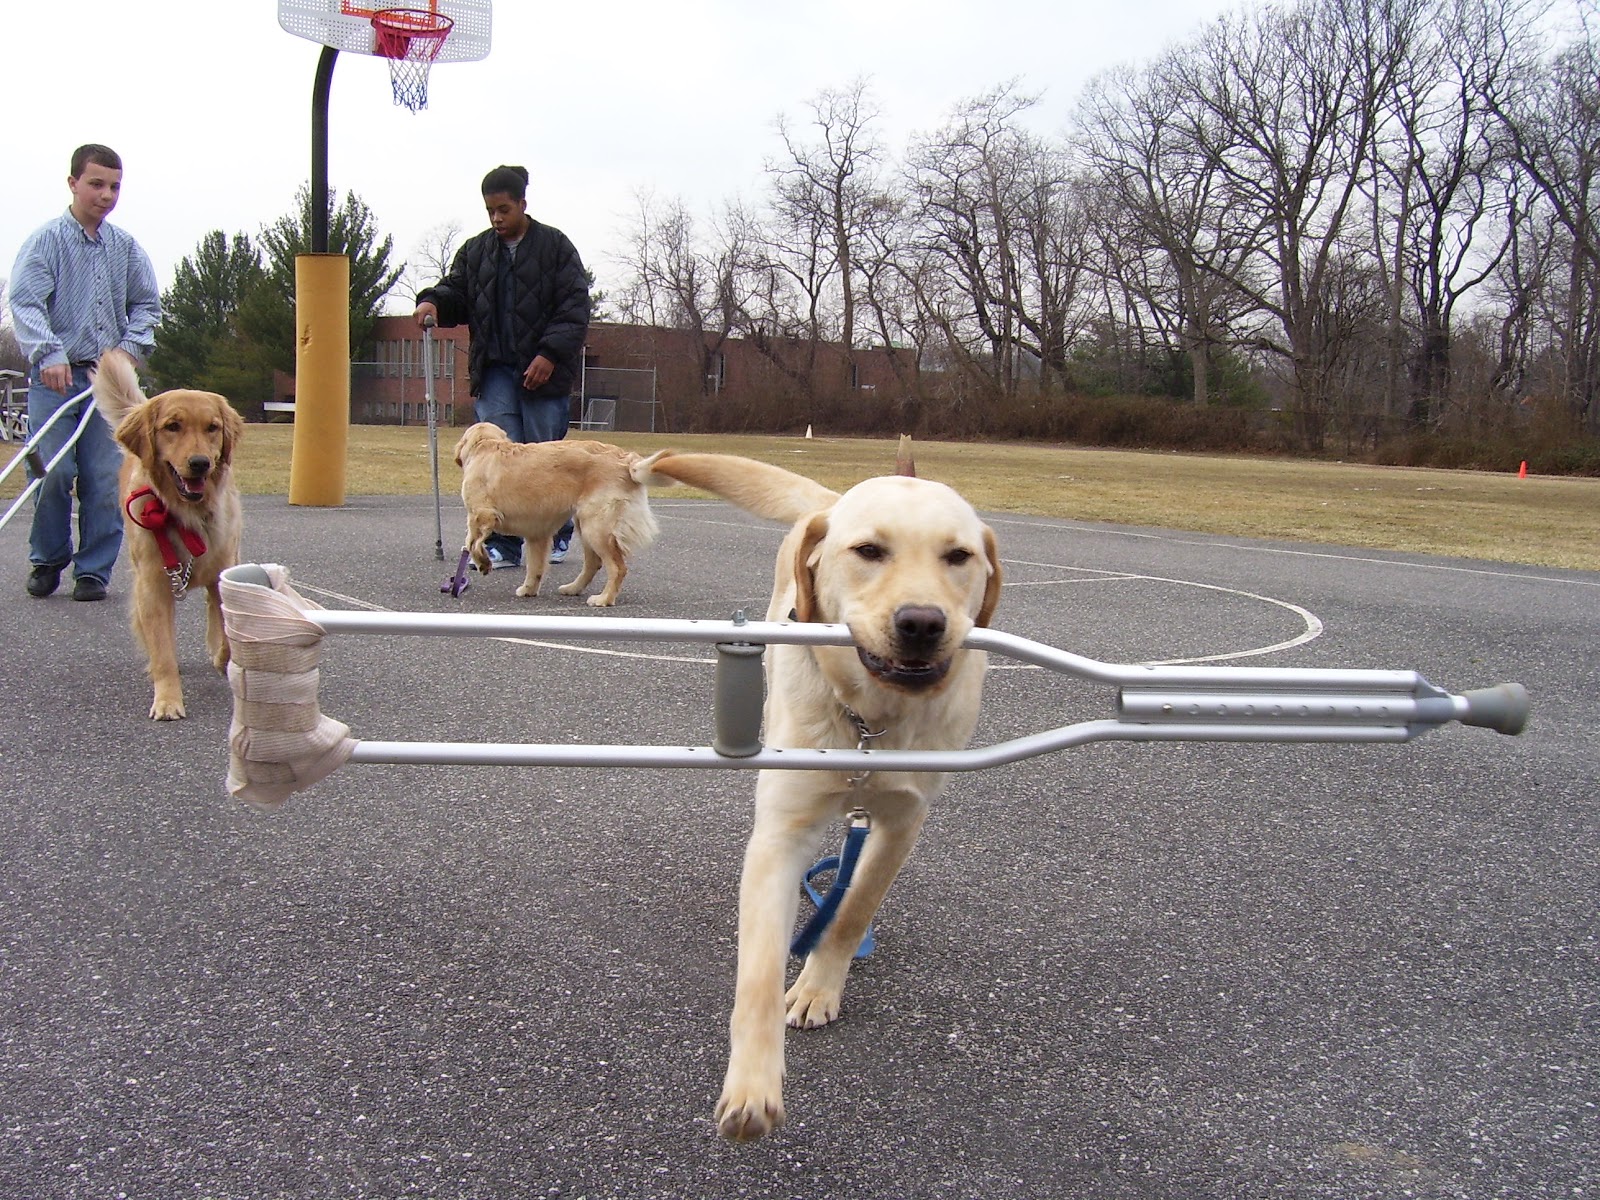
(642, 470)
(116, 387)
(756, 487)
(904, 463)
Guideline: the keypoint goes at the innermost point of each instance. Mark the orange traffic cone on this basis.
(1522, 471)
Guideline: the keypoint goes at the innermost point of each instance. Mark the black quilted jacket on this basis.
(552, 306)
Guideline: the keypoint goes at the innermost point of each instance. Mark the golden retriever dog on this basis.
(181, 515)
(908, 565)
(529, 491)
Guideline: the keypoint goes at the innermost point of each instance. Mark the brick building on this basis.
(633, 376)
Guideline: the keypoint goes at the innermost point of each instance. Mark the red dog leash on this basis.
(153, 515)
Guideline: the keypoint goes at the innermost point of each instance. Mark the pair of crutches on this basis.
(38, 468)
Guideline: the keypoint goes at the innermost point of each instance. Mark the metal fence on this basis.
(394, 393)
(613, 398)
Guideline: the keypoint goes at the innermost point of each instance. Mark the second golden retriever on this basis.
(908, 565)
(529, 491)
(181, 514)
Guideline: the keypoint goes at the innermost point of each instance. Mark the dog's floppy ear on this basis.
(232, 431)
(991, 588)
(805, 567)
(136, 432)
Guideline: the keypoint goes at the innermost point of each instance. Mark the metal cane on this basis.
(433, 433)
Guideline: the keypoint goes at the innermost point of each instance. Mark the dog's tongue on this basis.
(192, 489)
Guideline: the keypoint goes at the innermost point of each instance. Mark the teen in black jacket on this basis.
(523, 294)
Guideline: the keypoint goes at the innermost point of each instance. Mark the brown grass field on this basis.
(1550, 522)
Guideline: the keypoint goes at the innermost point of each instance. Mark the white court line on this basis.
(600, 650)
(1313, 624)
(1325, 554)
(1312, 631)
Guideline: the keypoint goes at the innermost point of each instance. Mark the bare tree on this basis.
(430, 259)
(1553, 121)
(827, 204)
(1000, 240)
(1440, 190)
(1171, 239)
(1285, 105)
(678, 280)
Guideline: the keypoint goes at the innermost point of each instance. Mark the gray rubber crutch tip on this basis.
(1504, 708)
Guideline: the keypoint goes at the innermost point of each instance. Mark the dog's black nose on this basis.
(199, 464)
(919, 626)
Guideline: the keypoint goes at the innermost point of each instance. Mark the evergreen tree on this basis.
(199, 335)
(267, 313)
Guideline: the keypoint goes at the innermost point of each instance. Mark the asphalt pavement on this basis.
(1195, 970)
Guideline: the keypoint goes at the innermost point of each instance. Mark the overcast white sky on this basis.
(209, 103)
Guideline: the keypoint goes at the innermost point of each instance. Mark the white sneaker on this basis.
(558, 551)
(499, 562)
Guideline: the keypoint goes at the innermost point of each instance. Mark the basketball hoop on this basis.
(410, 38)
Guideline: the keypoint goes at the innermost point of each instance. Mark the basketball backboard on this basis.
(347, 24)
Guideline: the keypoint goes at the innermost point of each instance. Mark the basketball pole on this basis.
(317, 459)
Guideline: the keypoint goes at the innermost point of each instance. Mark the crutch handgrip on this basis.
(1503, 708)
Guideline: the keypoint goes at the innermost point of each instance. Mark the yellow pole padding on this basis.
(321, 379)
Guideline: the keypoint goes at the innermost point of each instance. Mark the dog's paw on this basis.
(601, 600)
(812, 1005)
(745, 1115)
(526, 592)
(570, 589)
(167, 709)
(219, 660)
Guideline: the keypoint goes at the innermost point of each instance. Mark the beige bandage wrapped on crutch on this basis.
(279, 741)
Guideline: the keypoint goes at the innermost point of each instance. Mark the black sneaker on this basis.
(43, 581)
(88, 587)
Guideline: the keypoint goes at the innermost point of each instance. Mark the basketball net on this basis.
(410, 38)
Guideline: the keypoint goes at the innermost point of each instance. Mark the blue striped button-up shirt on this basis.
(74, 297)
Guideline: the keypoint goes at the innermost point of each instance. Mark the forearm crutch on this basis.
(433, 433)
(29, 453)
(280, 742)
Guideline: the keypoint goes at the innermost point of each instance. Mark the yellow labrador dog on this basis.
(530, 490)
(181, 514)
(907, 564)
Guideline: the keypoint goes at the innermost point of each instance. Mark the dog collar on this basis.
(153, 515)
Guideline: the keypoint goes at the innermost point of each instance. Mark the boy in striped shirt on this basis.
(80, 287)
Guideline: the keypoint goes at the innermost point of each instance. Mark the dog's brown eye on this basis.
(869, 551)
(956, 557)
(173, 426)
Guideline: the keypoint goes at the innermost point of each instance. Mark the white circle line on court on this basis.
(600, 650)
(1312, 624)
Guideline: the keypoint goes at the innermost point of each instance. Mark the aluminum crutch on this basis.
(29, 453)
(433, 433)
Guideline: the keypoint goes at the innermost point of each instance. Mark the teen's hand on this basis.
(538, 372)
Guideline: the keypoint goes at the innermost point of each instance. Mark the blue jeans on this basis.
(525, 417)
(93, 463)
